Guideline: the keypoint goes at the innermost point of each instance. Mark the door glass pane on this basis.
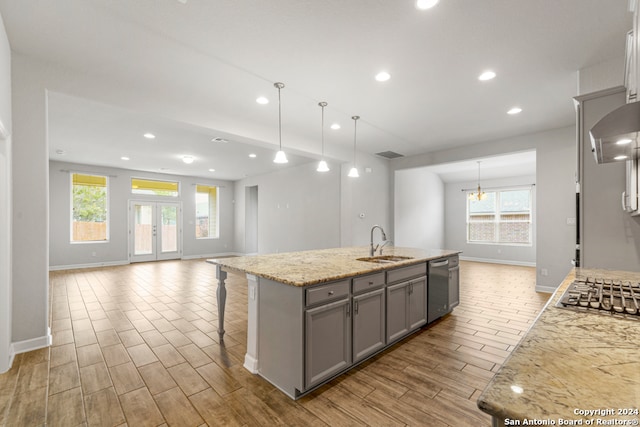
(143, 230)
(169, 229)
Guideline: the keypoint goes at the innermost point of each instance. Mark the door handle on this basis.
(439, 263)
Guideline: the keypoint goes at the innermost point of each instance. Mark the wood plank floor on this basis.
(137, 345)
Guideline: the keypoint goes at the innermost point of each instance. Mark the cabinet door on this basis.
(397, 313)
(454, 287)
(368, 324)
(327, 341)
(417, 303)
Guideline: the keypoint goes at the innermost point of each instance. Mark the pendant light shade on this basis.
(353, 173)
(281, 157)
(479, 195)
(322, 166)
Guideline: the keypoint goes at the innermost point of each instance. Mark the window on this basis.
(89, 208)
(502, 217)
(206, 212)
(154, 188)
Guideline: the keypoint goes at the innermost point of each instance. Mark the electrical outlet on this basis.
(544, 272)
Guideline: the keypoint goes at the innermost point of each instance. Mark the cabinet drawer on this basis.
(453, 261)
(369, 282)
(405, 273)
(328, 292)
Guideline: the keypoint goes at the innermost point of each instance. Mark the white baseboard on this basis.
(499, 261)
(32, 344)
(114, 263)
(546, 289)
(250, 364)
(90, 265)
(5, 365)
(218, 255)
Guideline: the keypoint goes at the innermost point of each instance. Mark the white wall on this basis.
(30, 240)
(6, 354)
(555, 192)
(301, 209)
(456, 220)
(64, 254)
(365, 201)
(298, 209)
(419, 209)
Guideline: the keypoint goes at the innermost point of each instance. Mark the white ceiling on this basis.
(495, 167)
(204, 63)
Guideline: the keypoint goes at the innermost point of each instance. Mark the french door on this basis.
(155, 231)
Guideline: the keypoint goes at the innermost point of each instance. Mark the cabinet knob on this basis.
(330, 293)
(370, 283)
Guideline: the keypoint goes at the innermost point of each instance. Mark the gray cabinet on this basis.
(368, 324)
(327, 341)
(417, 303)
(406, 307)
(308, 335)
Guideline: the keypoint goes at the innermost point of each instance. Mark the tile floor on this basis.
(137, 345)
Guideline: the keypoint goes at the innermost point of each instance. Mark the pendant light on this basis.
(280, 156)
(353, 173)
(322, 166)
(480, 195)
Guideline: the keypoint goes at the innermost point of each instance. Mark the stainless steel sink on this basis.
(384, 258)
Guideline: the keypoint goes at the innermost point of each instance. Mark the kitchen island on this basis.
(573, 367)
(312, 315)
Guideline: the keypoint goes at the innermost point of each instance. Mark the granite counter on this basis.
(306, 268)
(571, 368)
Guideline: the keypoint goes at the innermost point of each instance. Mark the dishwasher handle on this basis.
(438, 263)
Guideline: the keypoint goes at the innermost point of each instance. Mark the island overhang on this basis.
(311, 267)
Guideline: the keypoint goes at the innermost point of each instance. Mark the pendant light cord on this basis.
(279, 119)
(355, 133)
(322, 124)
(279, 86)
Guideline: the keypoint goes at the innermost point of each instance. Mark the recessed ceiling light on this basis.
(220, 140)
(125, 158)
(61, 152)
(212, 170)
(623, 141)
(487, 75)
(253, 155)
(335, 126)
(426, 4)
(188, 159)
(515, 110)
(619, 157)
(383, 76)
(262, 100)
(149, 135)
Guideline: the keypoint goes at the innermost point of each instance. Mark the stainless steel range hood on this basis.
(616, 134)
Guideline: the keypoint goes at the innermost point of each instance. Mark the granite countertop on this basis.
(571, 364)
(324, 265)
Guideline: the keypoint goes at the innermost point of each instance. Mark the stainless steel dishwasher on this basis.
(438, 297)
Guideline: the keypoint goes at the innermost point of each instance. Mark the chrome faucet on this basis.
(372, 249)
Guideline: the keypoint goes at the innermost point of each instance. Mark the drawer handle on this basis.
(330, 293)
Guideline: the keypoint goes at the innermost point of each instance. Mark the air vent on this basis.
(389, 154)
